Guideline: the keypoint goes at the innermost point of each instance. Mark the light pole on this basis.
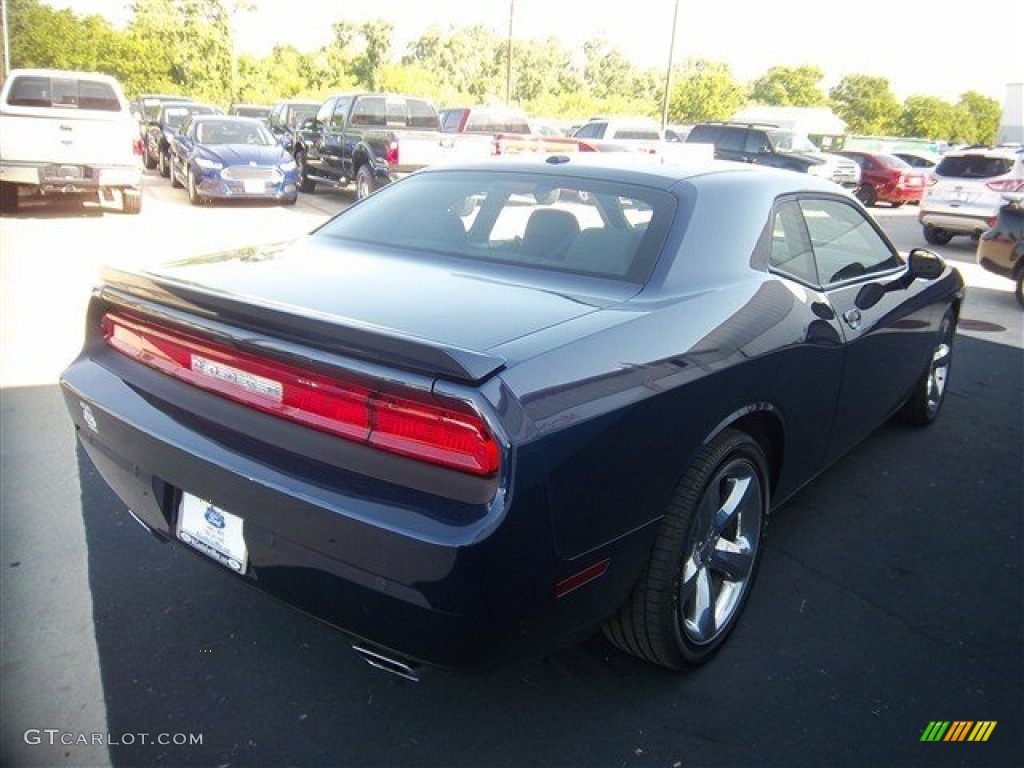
(508, 64)
(668, 72)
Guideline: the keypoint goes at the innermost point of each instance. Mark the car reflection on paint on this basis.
(227, 157)
(475, 417)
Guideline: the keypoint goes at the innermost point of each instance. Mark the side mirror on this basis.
(922, 264)
(925, 265)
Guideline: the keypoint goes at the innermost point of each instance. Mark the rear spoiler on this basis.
(175, 301)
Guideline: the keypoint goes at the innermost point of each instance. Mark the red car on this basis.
(886, 179)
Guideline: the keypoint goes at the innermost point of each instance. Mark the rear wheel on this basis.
(131, 201)
(936, 236)
(704, 560)
(366, 185)
(8, 197)
(923, 406)
(867, 195)
(164, 164)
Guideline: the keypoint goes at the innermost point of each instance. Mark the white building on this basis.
(1011, 124)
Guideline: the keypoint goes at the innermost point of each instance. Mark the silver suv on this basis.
(966, 189)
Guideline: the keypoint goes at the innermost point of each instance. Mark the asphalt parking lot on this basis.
(890, 594)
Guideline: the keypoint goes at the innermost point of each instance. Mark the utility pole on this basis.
(668, 72)
(508, 64)
(7, 42)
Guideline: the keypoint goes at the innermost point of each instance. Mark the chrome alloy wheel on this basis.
(721, 552)
(938, 370)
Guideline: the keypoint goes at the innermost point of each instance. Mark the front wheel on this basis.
(191, 188)
(164, 164)
(704, 560)
(175, 181)
(366, 185)
(306, 184)
(930, 392)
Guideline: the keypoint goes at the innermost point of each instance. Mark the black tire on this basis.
(306, 184)
(290, 200)
(8, 197)
(930, 391)
(704, 560)
(190, 187)
(366, 184)
(131, 201)
(867, 195)
(150, 160)
(897, 203)
(164, 164)
(175, 183)
(1019, 290)
(936, 236)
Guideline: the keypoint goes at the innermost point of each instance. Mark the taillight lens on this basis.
(1006, 185)
(137, 148)
(392, 153)
(446, 433)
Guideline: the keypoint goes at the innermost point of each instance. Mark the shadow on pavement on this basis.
(890, 596)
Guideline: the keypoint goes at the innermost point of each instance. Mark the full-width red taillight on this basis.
(448, 433)
(391, 155)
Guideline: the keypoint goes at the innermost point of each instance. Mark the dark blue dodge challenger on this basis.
(494, 408)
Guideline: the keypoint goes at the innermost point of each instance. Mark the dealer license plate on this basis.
(213, 531)
(254, 186)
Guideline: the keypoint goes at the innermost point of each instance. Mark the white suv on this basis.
(966, 189)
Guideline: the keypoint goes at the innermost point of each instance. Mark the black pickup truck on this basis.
(372, 139)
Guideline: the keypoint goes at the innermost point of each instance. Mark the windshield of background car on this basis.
(557, 223)
(974, 166)
(300, 114)
(788, 141)
(63, 93)
(234, 132)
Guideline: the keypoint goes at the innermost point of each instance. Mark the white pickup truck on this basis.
(68, 134)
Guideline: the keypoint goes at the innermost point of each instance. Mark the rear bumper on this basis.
(57, 178)
(960, 222)
(372, 560)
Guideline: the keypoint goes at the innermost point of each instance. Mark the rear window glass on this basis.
(394, 112)
(577, 226)
(496, 121)
(974, 166)
(63, 93)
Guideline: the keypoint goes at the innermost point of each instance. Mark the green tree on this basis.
(926, 117)
(705, 90)
(192, 42)
(986, 113)
(866, 104)
(463, 59)
(789, 87)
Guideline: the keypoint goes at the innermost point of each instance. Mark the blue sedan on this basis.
(494, 408)
(220, 157)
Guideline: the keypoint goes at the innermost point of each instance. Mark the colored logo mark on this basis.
(958, 730)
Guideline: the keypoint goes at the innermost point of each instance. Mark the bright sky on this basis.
(918, 48)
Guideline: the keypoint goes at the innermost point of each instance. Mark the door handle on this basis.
(852, 318)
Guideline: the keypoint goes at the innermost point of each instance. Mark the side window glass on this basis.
(338, 118)
(757, 142)
(846, 245)
(791, 251)
(323, 115)
(732, 139)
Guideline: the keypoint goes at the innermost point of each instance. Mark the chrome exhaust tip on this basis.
(378, 660)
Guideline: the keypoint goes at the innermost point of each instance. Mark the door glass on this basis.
(846, 245)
